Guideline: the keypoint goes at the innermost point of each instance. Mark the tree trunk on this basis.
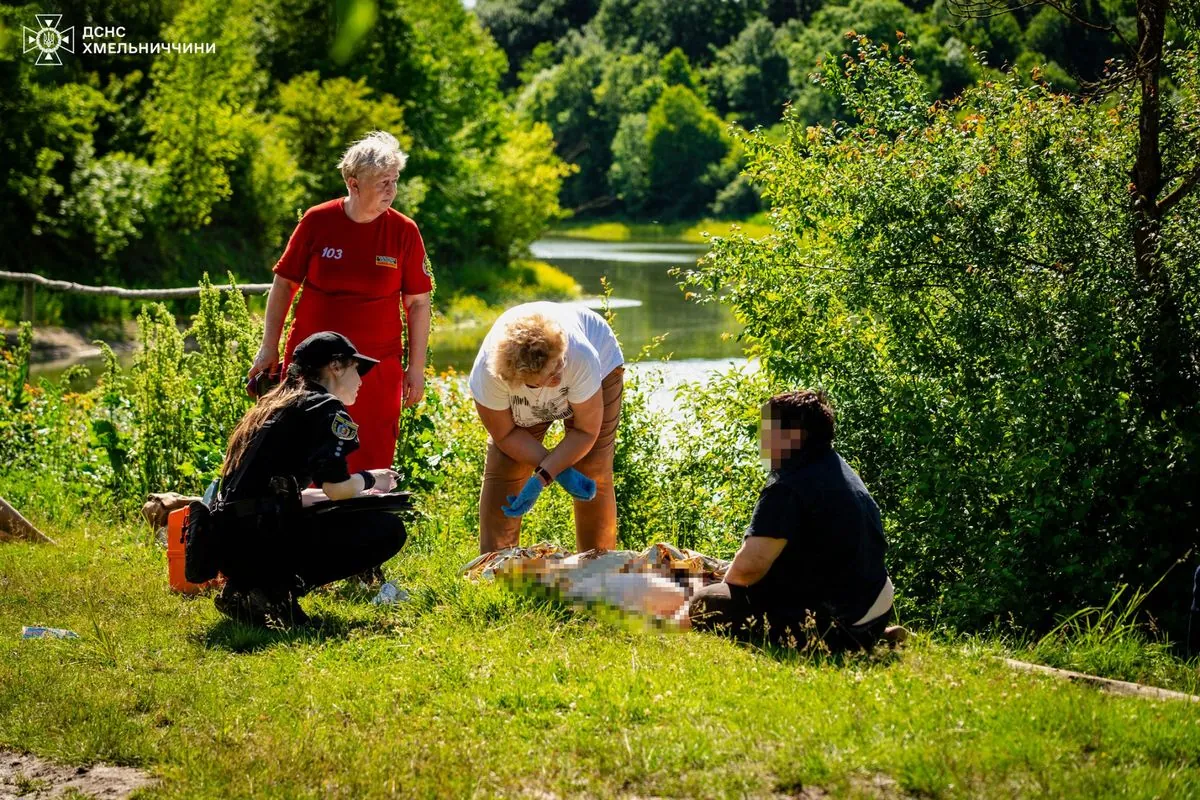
(1147, 168)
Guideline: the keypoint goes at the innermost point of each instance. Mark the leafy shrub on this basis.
(683, 140)
(961, 276)
(320, 118)
(689, 474)
(629, 174)
(112, 198)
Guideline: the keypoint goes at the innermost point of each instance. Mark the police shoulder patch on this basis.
(343, 426)
(427, 266)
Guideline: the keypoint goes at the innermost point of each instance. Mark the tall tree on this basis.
(1170, 370)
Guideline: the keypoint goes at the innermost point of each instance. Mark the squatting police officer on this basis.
(269, 547)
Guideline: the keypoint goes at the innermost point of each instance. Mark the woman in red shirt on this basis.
(359, 262)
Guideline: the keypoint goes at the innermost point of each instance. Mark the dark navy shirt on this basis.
(307, 440)
(833, 560)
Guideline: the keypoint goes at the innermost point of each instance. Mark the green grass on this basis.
(471, 690)
(687, 232)
(1112, 642)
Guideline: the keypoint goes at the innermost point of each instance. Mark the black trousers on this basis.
(730, 610)
(300, 552)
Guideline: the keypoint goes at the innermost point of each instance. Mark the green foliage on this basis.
(629, 174)
(49, 142)
(157, 168)
(684, 139)
(226, 340)
(632, 25)
(319, 118)
(747, 60)
(1112, 640)
(520, 27)
(114, 197)
(676, 70)
(562, 98)
(162, 402)
(749, 77)
(199, 105)
(521, 193)
(960, 276)
(689, 475)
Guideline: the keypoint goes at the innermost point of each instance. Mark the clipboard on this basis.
(392, 503)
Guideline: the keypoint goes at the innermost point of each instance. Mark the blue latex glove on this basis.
(519, 504)
(578, 485)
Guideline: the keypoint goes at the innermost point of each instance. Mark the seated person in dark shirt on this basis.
(811, 564)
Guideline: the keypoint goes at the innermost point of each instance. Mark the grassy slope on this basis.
(689, 232)
(471, 690)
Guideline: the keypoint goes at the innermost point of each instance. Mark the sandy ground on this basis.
(31, 778)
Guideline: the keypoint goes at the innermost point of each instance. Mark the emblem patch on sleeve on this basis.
(385, 261)
(427, 266)
(343, 426)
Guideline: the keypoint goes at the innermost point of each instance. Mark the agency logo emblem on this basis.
(48, 39)
(344, 427)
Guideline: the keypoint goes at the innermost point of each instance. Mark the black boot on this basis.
(261, 608)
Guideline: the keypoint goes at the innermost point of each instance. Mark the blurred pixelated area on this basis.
(654, 584)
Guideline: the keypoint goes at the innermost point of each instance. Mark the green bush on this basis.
(162, 167)
(684, 139)
(961, 276)
(319, 118)
(689, 475)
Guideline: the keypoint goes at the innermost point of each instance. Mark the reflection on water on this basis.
(638, 272)
(54, 370)
(556, 250)
(647, 303)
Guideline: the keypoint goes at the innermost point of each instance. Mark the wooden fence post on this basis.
(28, 307)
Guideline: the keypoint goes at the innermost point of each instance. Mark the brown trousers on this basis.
(595, 519)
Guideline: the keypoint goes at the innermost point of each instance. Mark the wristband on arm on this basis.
(541, 472)
(368, 479)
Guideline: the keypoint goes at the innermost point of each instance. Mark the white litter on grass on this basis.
(389, 594)
(38, 632)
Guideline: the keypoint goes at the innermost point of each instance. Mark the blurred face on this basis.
(342, 381)
(551, 376)
(776, 443)
(374, 192)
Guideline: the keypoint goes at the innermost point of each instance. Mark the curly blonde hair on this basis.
(525, 347)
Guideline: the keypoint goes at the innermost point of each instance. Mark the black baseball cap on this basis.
(327, 346)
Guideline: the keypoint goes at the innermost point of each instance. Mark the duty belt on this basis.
(254, 507)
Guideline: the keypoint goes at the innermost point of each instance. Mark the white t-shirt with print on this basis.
(592, 353)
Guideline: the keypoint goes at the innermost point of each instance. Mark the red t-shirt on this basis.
(354, 274)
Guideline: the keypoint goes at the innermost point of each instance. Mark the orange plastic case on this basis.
(176, 543)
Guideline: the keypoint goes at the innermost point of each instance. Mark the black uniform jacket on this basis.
(308, 441)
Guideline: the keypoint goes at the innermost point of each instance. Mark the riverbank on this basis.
(56, 348)
(681, 232)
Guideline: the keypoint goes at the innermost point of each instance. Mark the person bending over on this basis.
(270, 549)
(811, 564)
(543, 362)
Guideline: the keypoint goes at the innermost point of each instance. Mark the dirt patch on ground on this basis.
(31, 778)
(875, 787)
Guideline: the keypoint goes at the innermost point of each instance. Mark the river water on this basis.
(646, 300)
